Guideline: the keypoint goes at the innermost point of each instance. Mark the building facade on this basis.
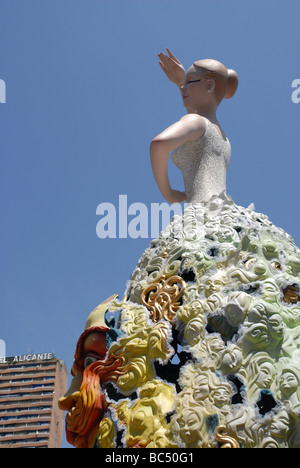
(30, 387)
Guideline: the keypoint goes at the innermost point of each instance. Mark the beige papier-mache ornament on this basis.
(203, 351)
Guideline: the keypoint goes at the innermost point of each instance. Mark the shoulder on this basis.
(189, 128)
(195, 122)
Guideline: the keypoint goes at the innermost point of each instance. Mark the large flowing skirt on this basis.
(205, 348)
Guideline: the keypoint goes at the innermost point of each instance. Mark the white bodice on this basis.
(204, 164)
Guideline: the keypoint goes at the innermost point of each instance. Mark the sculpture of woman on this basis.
(212, 295)
(204, 149)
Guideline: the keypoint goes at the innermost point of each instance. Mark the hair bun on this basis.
(232, 84)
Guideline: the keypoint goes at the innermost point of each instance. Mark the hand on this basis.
(175, 196)
(172, 68)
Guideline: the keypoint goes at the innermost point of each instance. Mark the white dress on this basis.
(210, 328)
(204, 164)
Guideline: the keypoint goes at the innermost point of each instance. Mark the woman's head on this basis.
(226, 80)
(207, 82)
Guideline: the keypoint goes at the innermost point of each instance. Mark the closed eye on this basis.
(193, 81)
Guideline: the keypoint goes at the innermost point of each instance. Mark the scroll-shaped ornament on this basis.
(225, 440)
(163, 299)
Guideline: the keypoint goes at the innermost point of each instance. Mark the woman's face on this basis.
(189, 426)
(201, 390)
(195, 89)
(288, 383)
(232, 360)
(221, 396)
(193, 329)
(265, 375)
(214, 285)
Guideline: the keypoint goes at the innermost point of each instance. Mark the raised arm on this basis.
(188, 128)
(172, 67)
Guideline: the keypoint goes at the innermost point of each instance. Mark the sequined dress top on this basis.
(204, 164)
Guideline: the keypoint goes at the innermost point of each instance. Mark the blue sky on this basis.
(85, 96)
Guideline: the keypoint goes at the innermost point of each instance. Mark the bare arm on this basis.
(172, 67)
(189, 128)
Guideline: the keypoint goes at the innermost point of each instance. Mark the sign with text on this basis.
(27, 358)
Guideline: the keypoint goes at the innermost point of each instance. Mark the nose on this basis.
(70, 399)
(66, 403)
